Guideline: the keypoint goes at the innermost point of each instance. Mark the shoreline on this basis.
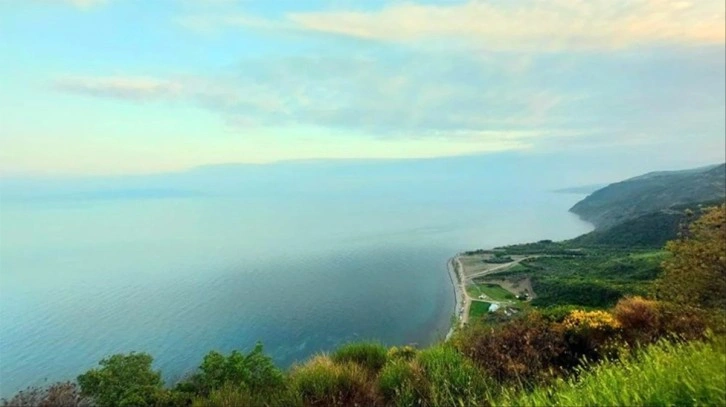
(454, 276)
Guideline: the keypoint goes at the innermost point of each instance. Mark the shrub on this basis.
(454, 380)
(254, 370)
(123, 380)
(402, 383)
(639, 319)
(590, 334)
(370, 355)
(321, 382)
(645, 321)
(684, 322)
(696, 272)
(523, 350)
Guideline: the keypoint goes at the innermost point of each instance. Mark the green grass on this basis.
(478, 308)
(666, 374)
(454, 379)
(493, 291)
(370, 355)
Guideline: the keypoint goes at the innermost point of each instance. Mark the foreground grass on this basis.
(666, 374)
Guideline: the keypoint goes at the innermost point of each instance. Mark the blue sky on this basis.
(136, 86)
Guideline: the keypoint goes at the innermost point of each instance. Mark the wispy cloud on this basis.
(531, 25)
(514, 103)
(119, 87)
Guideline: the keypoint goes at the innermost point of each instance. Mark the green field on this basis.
(493, 291)
(479, 308)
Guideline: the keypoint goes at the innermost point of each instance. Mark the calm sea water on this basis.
(300, 266)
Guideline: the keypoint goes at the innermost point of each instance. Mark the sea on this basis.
(301, 256)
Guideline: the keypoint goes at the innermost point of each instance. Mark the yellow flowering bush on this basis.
(600, 320)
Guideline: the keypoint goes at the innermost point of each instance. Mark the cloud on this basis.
(536, 100)
(530, 25)
(120, 87)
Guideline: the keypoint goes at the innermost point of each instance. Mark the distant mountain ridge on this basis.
(652, 192)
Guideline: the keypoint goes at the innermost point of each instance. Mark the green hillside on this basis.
(651, 192)
(651, 230)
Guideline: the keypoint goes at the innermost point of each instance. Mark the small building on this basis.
(493, 307)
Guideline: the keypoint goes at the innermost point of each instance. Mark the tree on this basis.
(123, 380)
(695, 274)
(254, 371)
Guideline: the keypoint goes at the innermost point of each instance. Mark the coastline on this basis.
(458, 294)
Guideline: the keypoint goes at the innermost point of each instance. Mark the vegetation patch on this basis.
(479, 308)
(492, 291)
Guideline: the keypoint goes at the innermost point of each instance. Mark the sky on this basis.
(97, 87)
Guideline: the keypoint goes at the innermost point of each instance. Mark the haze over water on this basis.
(302, 257)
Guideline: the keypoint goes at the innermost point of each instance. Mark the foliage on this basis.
(597, 278)
(590, 334)
(523, 350)
(651, 230)
(656, 377)
(254, 371)
(696, 272)
(322, 382)
(402, 383)
(370, 355)
(233, 396)
(454, 380)
(591, 320)
(498, 259)
(123, 380)
(560, 291)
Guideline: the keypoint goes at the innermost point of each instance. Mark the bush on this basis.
(123, 380)
(645, 321)
(370, 355)
(654, 377)
(454, 380)
(321, 382)
(523, 350)
(639, 319)
(695, 274)
(402, 383)
(591, 334)
(254, 371)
